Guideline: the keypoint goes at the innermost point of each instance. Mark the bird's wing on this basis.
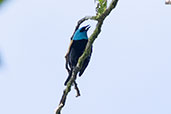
(67, 57)
(69, 48)
(85, 64)
(73, 57)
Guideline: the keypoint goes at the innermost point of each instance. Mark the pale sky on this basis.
(130, 69)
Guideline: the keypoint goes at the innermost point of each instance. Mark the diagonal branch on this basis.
(96, 32)
(86, 53)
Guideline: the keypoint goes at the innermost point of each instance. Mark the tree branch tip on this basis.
(87, 18)
(58, 110)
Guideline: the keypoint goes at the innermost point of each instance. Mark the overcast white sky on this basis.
(130, 69)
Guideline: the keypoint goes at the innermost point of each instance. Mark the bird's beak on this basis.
(87, 27)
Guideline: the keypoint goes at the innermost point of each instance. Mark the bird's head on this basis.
(81, 33)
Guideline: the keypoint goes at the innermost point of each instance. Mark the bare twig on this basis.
(86, 53)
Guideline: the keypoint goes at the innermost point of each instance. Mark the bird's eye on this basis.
(82, 29)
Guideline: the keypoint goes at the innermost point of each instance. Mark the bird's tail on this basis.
(70, 74)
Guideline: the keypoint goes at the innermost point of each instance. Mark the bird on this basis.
(76, 49)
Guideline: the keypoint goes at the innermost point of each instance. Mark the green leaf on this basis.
(101, 6)
(1, 1)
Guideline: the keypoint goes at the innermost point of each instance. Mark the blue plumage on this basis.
(77, 47)
(81, 33)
